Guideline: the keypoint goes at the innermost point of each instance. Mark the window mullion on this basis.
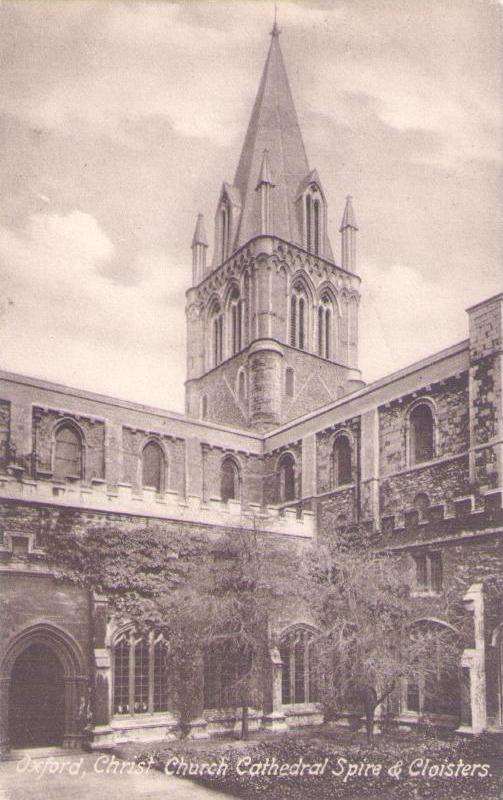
(132, 648)
(151, 673)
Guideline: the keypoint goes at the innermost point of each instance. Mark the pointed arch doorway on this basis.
(44, 690)
(37, 701)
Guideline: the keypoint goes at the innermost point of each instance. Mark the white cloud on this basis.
(66, 319)
(405, 317)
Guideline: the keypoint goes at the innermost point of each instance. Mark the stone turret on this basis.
(199, 248)
(348, 237)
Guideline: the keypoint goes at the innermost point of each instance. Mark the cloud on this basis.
(405, 317)
(65, 312)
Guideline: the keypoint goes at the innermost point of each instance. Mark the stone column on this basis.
(308, 488)
(370, 466)
(102, 733)
(274, 718)
(473, 660)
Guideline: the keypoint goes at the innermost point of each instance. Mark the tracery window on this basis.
(229, 480)
(216, 319)
(325, 327)
(287, 482)
(298, 317)
(298, 680)
(140, 674)
(67, 453)
(235, 321)
(153, 467)
(313, 215)
(341, 460)
(421, 434)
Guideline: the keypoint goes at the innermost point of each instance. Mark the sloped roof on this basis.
(200, 232)
(348, 218)
(273, 127)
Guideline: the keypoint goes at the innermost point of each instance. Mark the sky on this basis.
(120, 120)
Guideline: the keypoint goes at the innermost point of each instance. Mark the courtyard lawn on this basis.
(332, 762)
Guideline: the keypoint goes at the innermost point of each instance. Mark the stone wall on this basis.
(45, 423)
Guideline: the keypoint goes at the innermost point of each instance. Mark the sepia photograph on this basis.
(251, 399)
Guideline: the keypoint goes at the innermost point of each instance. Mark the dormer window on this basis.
(314, 221)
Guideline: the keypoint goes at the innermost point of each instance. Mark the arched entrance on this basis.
(43, 690)
(37, 703)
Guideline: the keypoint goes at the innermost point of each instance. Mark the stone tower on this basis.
(272, 321)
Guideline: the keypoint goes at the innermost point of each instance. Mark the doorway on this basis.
(37, 705)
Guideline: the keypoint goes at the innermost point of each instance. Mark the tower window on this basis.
(421, 434)
(313, 211)
(67, 453)
(325, 327)
(342, 471)
(216, 323)
(225, 219)
(316, 226)
(235, 321)
(153, 466)
(298, 318)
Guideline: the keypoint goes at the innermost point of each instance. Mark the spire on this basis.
(200, 233)
(348, 237)
(348, 218)
(265, 172)
(273, 127)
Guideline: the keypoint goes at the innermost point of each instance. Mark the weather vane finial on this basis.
(275, 28)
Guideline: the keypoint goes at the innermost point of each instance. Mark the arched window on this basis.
(298, 317)
(216, 321)
(421, 434)
(140, 674)
(229, 481)
(298, 684)
(67, 453)
(153, 467)
(313, 211)
(325, 327)
(287, 478)
(309, 223)
(342, 469)
(235, 321)
(225, 226)
(316, 227)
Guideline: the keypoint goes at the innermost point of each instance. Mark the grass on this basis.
(362, 771)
